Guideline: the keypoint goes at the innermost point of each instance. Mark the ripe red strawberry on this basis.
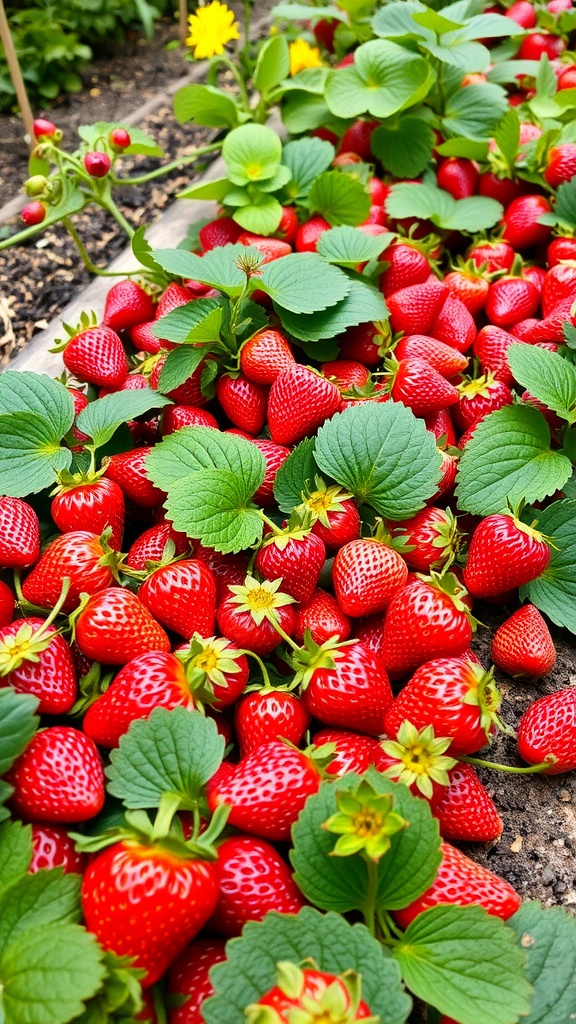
(523, 13)
(521, 221)
(96, 355)
(321, 996)
(309, 233)
(150, 546)
(336, 519)
(266, 790)
(244, 615)
(265, 355)
(275, 455)
(492, 256)
(345, 686)
(408, 266)
(150, 922)
(433, 536)
(470, 287)
(269, 714)
(216, 670)
(561, 249)
(174, 296)
(19, 534)
(458, 176)
(547, 732)
(346, 374)
(7, 604)
(128, 470)
(537, 43)
(114, 626)
(300, 401)
(52, 847)
(189, 979)
(145, 340)
(462, 882)
(182, 596)
(366, 575)
(357, 138)
(511, 299)
(191, 391)
(243, 402)
(448, 470)
(59, 777)
(362, 343)
(414, 308)
(222, 231)
(127, 305)
(559, 288)
(35, 659)
(465, 810)
(270, 248)
(288, 225)
(323, 617)
(478, 398)
(174, 417)
(228, 570)
(491, 346)
(440, 424)
(354, 751)
(425, 621)
(252, 880)
(82, 557)
(454, 324)
(567, 79)
(419, 386)
(296, 556)
(504, 190)
(522, 645)
(504, 554)
(91, 506)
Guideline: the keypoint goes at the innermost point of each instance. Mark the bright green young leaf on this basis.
(475, 111)
(488, 26)
(309, 80)
(506, 71)
(383, 454)
(507, 135)
(261, 216)
(302, 112)
(347, 246)
(206, 106)
(339, 198)
(197, 321)
(384, 79)
(303, 283)
(210, 190)
(477, 213)
(170, 752)
(30, 454)
(429, 202)
(397, 19)
(195, 448)
(509, 459)
(362, 305)
(468, 148)
(46, 897)
(564, 212)
(333, 944)
(404, 147)
(252, 153)
(306, 159)
(466, 963)
(16, 846)
(68, 956)
(548, 937)
(100, 419)
(554, 592)
(435, 21)
(217, 268)
(294, 475)
(179, 366)
(38, 394)
(273, 64)
(143, 250)
(340, 883)
(214, 506)
(547, 376)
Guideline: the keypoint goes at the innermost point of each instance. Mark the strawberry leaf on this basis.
(428, 202)
(30, 454)
(215, 506)
(195, 448)
(16, 846)
(341, 883)
(347, 246)
(218, 268)
(335, 946)
(303, 283)
(383, 454)
(564, 212)
(38, 394)
(198, 320)
(294, 475)
(465, 962)
(18, 723)
(306, 159)
(272, 65)
(101, 419)
(339, 198)
(180, 364)
(206, 106)
(171, 752)
(46, 897)
(404, 147)
(362, 304)
(548, 938)
(508, 459)
(547, 376)
(384, 78)
(554, 592)
(252, 153)
(475, 111)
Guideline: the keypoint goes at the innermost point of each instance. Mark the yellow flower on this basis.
(302, 55)
(211, 27)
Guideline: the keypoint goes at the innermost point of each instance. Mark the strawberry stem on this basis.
(270, 522)
(263, 669)
(369, 907)
(530, 770)
(287, 639)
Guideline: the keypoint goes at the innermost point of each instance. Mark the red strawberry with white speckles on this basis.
(299, 402)
(547, 732)
(504, 554)
(522, 645)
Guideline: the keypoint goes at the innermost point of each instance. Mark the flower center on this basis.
(319, 501)
(260, 600)
(367, 822)
(207, 660)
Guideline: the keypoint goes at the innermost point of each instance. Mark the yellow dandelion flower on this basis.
(302, 55)
(211, 27)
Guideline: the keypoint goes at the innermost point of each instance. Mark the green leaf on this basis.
(252, 153)
(212, 190)
(294, 475)
(547, 376)
(554, 592)
(397, 19)
(143, 250)
(362, 305)
(462, 56)
(141, 143)
(335, 946)
(340, 883)
(195, 448)
(465, 962)
(65, 954)
(435, 22)
(46, 897)
(404, 147)
(303, 113)
(507, 135)
(548, 938)
(339, 198)
(302, 12)
(179, 366)
(475, 111)
(569, 332)
(468, 148)
(170, 752)
(347, 246)
(272, 65)
(37, 393)
(477, 213)
(384, 79)
(306, 159)
(261, 216)
(215, 507)
(506, 71)
(303, 283)
(564, 212)
(508, 459)
(488, 26)
(206, 106)
(197, 321)
(383, 454)
(100, 419)
(427, 202)
(217, 268)
(18, 723)
(16, 846)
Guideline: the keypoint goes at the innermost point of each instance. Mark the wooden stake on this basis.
(183, 20)
(16, 76)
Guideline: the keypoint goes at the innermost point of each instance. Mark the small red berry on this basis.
(97, 164)
(44, 129)
(119, 139)
(33, 213)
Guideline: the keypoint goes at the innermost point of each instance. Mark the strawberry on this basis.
(300, 401)
(567, 79)
(83, 557)
(362, 343)
(469, 286)
(454, 324)
(523, 13)
(492, 256)
(191, 391)
(270, 248)
(323, 617)
(440, 425)
(227, 570)
(521, 220)
(275, 455)
(93, 505)
(522, 645)
(128, 470)
(346, 374)
(491, 346)
(354, 751)
(174, 296)
(150, 546)
(458, 176)
(414, 308)
(504, 554)
(417, 759)
(408, 266)
(425, 621)
(504, 190)
(358, 137)
(59, 777)
(97, 164)
(113, 627)
(245, 615)
(335, 516)
(366, 575)
(33, 213)
(52, 847)
(448, 470)
(19, 534)
(145, 340)
(433, 536)
(265, 355)
(559, 288)
(310, 994)
(288, 225)
(266, 790)
(222, 231)
(35, 659)
(462, 882)
(127, 305)
(216, 670)
(7, 604)
(465, 810)
(511, 299)
(96, 355)
(269, 714)
(537, 43)
(174, 417)
(478, 398)
(296, 556)
(252, 880)
(182, 596)
(150, 922)
(243, 402)
(547, 732)
(420, 387)
(309, 233)
(345, 685)
(189, 979)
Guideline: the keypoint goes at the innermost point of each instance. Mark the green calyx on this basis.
(322, 500)
(29, 643)
(420, 758)
(471, 388)
(336, 1003)
(365, 822)
(207, 662)
(484, 694)
(306, 660)
(449, 584)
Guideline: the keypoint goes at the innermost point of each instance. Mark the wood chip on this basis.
(516, 846)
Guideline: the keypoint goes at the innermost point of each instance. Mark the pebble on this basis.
(548, 876)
